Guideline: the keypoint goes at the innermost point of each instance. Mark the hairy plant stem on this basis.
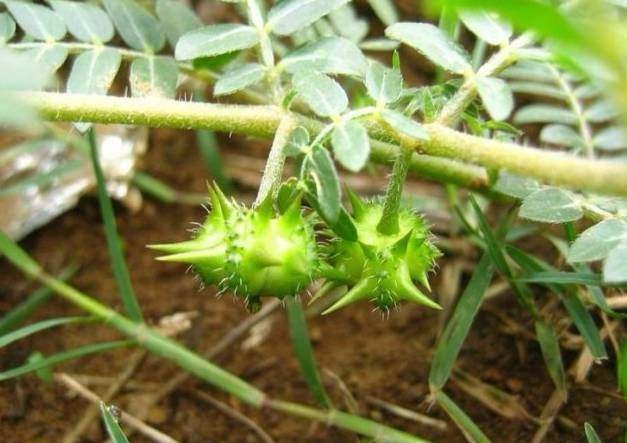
(193, 363)
(273, 172)
(388, 225)
(602, 176)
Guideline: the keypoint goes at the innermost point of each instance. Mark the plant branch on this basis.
(602, 176)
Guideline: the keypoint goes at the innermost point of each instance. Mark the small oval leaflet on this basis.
(86, 22)
(551, 205)
(327, 183)
(136, 26)
(330, 55)
(214, 40)
(351, 145)
(383, 84)
(615, 265)
(321, 93)
(176, 19)
(596, 242)
(239, 78)
(561, 135)
(7, 27)
(486, 26)
(37, 21)
(153, 76)
(496, 96)
(289, 16)
(404, 124)
(432, 43)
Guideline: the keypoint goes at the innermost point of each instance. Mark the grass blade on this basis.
(60, 357)
(584, 323)
(304, 352)
(23, 310)
(591, 434)
(459, 324)
(208, 146)
(470, 430)
(565, 278)
(116, 255)
(163, 192)
(549, 345)
(111, 425)
(38, 327)
(621, 367)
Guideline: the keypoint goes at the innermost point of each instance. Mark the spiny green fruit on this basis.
(250, 252)
(382, 267)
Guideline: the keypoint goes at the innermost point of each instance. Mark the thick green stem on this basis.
(273, 172)
(388, 225)
(602, 176)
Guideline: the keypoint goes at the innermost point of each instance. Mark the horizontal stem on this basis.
(603, 176)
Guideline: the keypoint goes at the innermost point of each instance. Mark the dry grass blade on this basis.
(408, 413)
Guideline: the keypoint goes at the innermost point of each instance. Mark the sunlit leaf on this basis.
(383, 84)
(85, 21)
(37, 21)
(351, 145)
(432, 43)
(321, 93)
(404, 124)
(289, 16)
(136, 26)
(330, 55)
(214, 40)
(385, 10)
(601, 111)
(49, 57)
(379, 44)
(536, 88)
(298, 139)
(7, 27)
(544, 114)
(486, 26)
(561, 135)
(615, 265)
(93, 71)
(613, 138)
(153, 76)
(596, 242)
(239, 78)
(496, 96)
(176, 19)
(551, 205)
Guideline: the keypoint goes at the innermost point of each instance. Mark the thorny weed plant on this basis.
(310, 75)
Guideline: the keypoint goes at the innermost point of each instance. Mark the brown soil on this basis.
(383, 358)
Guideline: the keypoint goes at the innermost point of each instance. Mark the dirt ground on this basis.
(387, 359)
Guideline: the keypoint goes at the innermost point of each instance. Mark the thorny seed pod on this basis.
(382, 267)
(250, 252)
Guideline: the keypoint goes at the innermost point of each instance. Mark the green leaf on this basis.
(433, 44)
(459, 324)
(530, 71)
(486, 26)
(138, 29)
(379, 44)
(43, 373)
(296, 142)
(536, 88)
(289, 16)
(330, 55)
(515, 185)
(85, 21)
(591, 434)
(95, 348)
(17, 255)
(153, 76)
(601, 111)
(615, 265)
(612, 138)
(114, 245)
(351, 145)
(544, 114)
(304, 352)
(383, 84)
(37, 21)
(214, 40)
(596, 242)
(111, 425)
(468, 427)
(37, 327)
(327, 183)
(584, 323)
(239, 78)
(621, 367)
(7, 27)
(404, 124)
(321, 93)
(496, 96)
(348, 24)
(551, 205)
(563, 278)
(93, 71)
(561, 135)
(549, 345)
(176, 19)
(48, 57)
(385, 10)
